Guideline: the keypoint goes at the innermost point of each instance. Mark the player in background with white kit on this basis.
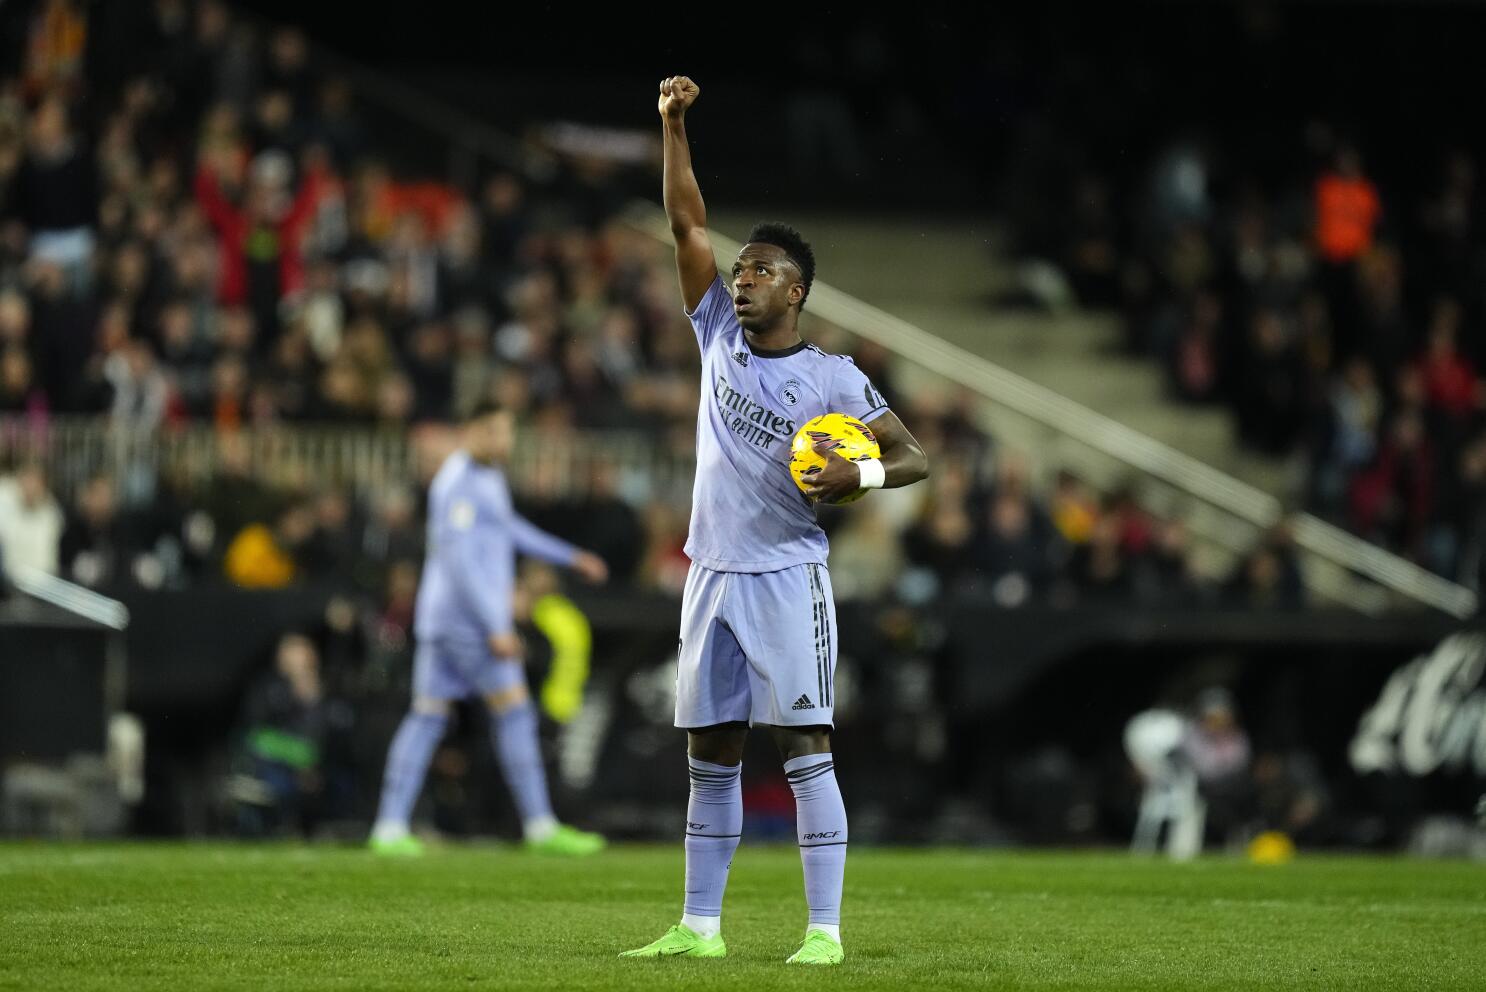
(758, 625)
(467, 641)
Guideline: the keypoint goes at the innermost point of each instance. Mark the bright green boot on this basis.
(681, 941)
(819, 947)
(406, 846)
(568, 842)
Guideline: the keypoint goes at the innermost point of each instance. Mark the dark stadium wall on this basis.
(980, 705)
(1103, 87)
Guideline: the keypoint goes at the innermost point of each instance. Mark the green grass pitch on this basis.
(212, 916)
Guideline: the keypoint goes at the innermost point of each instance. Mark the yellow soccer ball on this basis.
(1271, 848)
(854, 442)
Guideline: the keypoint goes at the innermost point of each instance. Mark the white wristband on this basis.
(873, 474)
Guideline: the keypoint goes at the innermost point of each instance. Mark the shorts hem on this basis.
(752, 567)
(823, 720)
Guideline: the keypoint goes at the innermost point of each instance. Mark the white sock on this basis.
(703, 926)
(833, 930)
(539, 828)
(389, 830)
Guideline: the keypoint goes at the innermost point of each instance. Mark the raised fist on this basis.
(676, 94)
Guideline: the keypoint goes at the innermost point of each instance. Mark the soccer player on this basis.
(758, 625)
(467, 642)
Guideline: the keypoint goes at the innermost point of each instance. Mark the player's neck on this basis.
(489, 462)
(780, 337)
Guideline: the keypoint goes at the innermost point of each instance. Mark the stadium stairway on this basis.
(942, 274)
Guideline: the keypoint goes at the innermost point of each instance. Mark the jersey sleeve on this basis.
(853, 394)
(713, 314)
(532, 541)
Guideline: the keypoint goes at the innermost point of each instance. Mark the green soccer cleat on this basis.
(568, 842)
(681, 941)
(818, 947)
(406, 846)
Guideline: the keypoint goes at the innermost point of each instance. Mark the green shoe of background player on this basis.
(567, 841)
(819, 948)
(406, 846)
(681, 941)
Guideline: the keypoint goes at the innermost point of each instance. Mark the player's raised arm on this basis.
(683, 197)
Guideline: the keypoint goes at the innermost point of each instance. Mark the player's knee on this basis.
(505, 700)
(428, 706)
(796, 742)
(719, 745)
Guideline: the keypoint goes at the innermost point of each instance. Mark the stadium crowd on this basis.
(1303, 323)
(198, 229)
(1334, 312)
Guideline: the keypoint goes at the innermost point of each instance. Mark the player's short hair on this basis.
(484, 408)
(787, 239)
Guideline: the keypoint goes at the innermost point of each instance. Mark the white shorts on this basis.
(759, 647)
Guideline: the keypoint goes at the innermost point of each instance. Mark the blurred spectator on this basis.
(141, 393)
(1099, 569)
(1271, 396)
(259, 242)
(292, 743)
(234, 497)
(941, 539)
(1218, 749)
(1347, 209)
(56, 40)
(1269, 577)
(1195, 355)
(1450, 383)
(1290, 794)
(865, 555)
(94, 550)
(263, 557)
(54, 193)
(30, 521)
(1171, 577)
(19, 391)
(1392, 499)
(540, 602)
(1074, 510)
(1013, 553)
(1348, 436)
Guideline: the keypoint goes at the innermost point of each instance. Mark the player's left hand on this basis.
(839, 479)
(591, 568)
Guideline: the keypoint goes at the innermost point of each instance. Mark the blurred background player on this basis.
(1196, 772)
(467, 641)
(758, 638)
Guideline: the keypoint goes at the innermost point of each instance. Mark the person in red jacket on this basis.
(259, 241)
(1450, 381)
(1347, 210)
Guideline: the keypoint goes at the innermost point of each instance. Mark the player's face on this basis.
(765, 285)
(491, 438)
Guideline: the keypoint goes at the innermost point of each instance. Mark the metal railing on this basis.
(75, 599)
(305, 458)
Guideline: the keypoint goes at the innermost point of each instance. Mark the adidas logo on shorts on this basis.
(803, 703)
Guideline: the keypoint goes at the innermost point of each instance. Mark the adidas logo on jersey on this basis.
(803, 703)
(741, 357)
